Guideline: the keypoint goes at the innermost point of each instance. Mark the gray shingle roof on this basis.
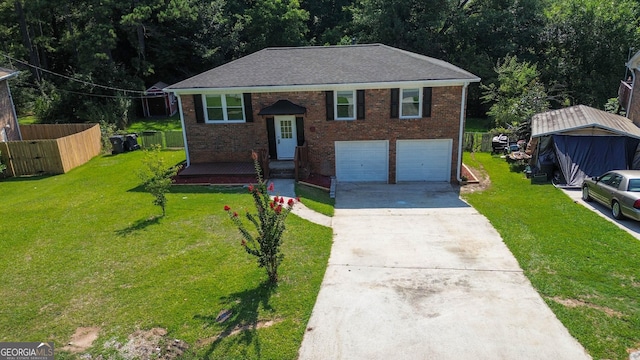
(581, 117)
(325, 65)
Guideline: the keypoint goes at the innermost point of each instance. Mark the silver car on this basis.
(619, 190)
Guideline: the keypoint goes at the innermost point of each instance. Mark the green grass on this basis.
(27, 119)
(478, 125)
(88, 249)
(316, 199)
(156, 124)
(569, 253)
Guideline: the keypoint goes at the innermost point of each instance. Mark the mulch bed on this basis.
(314, 179)
(465, 171)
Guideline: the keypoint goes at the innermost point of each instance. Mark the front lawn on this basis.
(585, 268)
(88, 249)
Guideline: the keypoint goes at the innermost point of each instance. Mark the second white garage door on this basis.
(423, 160)
(362, 161)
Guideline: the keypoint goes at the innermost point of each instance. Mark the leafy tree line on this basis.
(578, 47)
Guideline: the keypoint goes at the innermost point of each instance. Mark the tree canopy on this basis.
(579, 46)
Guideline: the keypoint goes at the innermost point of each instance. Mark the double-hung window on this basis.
(410, 103)
(224, 108)
(345, 105)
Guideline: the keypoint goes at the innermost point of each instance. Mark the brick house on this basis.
(628, 94)
(9, 128)
(365, 112)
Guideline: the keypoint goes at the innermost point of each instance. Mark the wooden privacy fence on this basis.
(51, 148)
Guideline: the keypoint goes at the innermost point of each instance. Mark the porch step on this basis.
(282, 169)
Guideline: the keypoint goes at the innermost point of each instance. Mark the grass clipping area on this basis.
(584, 267)
(88, 250)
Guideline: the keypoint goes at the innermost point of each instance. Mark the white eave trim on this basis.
(9, 76)
(324, 87)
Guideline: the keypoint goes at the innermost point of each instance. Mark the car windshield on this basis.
(634, 185)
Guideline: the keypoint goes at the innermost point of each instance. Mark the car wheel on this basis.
(585, 193)
(615, 210)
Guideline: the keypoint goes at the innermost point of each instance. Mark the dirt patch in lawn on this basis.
(483, 183)
(574, 303)
(82, 339)
(142, 345)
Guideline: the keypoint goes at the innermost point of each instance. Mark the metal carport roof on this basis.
(582, 120)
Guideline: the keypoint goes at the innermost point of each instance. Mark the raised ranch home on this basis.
(361, 112)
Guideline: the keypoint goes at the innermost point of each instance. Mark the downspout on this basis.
(184, 130)
(633, 90)
(13, 109)
(463, 104)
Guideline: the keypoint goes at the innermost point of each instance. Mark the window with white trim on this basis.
(224, 108)
(410, 103)
(345, 104)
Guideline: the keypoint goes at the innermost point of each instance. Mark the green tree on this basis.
(156, 176)
(518, 95)
(586, 44)
(275, 23)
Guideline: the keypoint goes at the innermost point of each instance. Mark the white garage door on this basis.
(362, 160)
(423, 160)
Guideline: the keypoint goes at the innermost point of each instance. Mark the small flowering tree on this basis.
(269, 222)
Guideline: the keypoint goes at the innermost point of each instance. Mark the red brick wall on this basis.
(233, 142)
(634, 109)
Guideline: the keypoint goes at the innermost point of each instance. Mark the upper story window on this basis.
(224, 108)
(345, 105)
(410, 103)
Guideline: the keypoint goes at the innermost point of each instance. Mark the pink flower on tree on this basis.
(250, 188)
(271, 187)
(281, 200)
(235, 214)
(227, 208)
(290, 202)
(278, 209)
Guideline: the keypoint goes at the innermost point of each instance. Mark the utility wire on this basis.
(141, 93)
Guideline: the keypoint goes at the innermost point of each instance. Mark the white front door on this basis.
(286, 137)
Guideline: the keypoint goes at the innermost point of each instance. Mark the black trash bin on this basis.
(117, 144)
(131, 142)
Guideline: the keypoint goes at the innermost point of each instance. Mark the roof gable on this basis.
(326, 66)
(583, 120)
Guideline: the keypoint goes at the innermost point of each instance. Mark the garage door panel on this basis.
(423, 160)
(362, 161)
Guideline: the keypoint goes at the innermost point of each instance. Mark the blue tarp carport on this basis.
(580, 142)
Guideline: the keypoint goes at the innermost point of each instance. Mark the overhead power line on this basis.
(138, 92)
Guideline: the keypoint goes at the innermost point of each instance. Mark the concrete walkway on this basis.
(286, 188)
(416, 273)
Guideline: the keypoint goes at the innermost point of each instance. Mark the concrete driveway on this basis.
(628, 225)
(416, 273)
